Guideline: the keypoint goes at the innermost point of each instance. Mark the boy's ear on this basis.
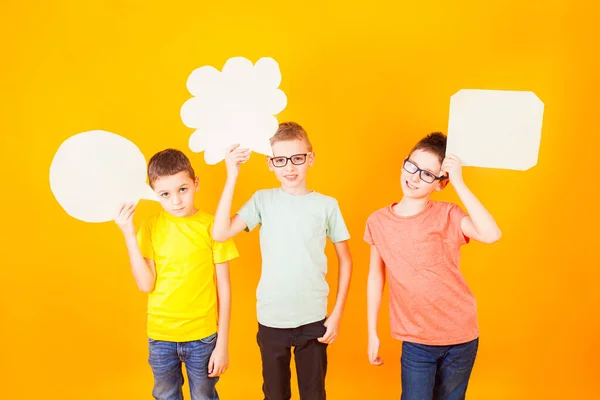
(311, 159)
(196, 183)
(268, 159)
(442, 184)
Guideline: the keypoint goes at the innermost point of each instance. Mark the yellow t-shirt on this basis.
(183, 305)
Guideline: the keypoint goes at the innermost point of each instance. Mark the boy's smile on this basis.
(411, 187)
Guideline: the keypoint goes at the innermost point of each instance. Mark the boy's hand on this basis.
(452, 166)
(333, 325)
(219, 361)
(374, 357)
(234, 157)
(124, 218)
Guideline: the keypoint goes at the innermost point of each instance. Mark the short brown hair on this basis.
(168, 162)
(291, 131)
(434, 143)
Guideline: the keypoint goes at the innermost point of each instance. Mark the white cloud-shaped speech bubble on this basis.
(93, 172)
(495, 128)
(234, 106)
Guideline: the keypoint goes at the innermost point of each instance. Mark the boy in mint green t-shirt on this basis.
(292, 293)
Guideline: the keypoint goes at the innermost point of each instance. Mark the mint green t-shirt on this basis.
(294, 229)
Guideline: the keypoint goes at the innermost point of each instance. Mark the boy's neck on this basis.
(408, 207)
(194, 211)
(297, 191)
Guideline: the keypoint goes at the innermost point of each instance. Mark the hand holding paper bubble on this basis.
(452, 168)
(124, 218)
(94, 172)
(235, 156)
(235, 106)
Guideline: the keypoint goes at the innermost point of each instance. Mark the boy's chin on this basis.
(290, 184)
(181, 213)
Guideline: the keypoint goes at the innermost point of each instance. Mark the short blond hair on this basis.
(291, 131)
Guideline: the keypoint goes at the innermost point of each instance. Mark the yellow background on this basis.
(366, 80)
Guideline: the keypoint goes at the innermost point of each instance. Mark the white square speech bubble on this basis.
(495, 128)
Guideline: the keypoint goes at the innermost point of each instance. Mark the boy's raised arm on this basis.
(224, 226)
(143, 269)
(479, 224)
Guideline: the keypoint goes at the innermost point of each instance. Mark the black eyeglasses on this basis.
(425, 176)
(296, 159)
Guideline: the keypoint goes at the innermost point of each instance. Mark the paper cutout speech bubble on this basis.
(495, 128)
(93, 172)
(234, 106)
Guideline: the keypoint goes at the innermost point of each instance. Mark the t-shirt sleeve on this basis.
(456, 215)
(251, 212)
(144, 239)
(336, 227)
(224, 251)
(368, 237)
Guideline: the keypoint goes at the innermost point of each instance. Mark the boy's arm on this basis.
(224, 226)
(143, 269)
(345, 273)
(479, 224)
(219, 359)
(375, 284)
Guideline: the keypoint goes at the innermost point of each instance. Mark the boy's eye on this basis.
(298, 158)
(182, 190)
(164, 194)
(428, 174)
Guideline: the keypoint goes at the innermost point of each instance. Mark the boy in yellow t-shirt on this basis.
(186, 275)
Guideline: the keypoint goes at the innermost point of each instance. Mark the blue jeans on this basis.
(437, 372)
(166, 359)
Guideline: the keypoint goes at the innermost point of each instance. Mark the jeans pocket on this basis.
(210, 339)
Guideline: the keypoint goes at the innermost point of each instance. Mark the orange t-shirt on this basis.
(430, 302)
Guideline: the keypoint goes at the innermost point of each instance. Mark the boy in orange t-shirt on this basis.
(416, 243)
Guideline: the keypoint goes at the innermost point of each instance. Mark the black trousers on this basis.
(310, 356)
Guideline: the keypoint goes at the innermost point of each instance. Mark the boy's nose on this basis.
(176, 200)
(415, 177)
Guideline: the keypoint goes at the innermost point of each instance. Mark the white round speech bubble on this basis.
(93, 172)
(234, 106)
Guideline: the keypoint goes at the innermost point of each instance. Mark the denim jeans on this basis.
(437, 372)
(310, 355)
(166, 359)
